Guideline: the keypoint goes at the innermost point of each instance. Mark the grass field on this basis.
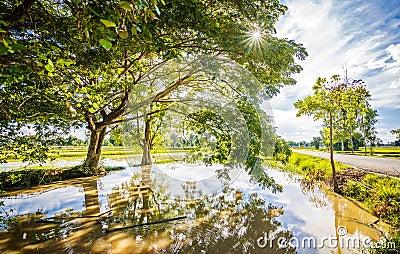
(386, 152)
(76, 152)
(63, 152)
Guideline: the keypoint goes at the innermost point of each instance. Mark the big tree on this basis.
(84, 59)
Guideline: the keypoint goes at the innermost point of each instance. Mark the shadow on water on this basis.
(98, 215)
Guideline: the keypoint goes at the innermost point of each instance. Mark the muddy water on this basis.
(177, 208)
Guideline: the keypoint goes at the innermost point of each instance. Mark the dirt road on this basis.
(379, 165)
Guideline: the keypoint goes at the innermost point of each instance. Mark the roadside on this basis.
(378, 194)
(384, 166)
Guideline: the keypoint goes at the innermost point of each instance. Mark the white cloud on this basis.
(295, 128)
(395, 84)
(360, 36)
(385, 135)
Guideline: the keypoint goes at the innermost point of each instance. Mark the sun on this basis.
(256, 35)
(253, 39)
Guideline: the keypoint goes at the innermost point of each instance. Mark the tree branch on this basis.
(142, 54)
(133, 118)
(20, 11)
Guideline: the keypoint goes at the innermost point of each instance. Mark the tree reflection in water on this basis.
(227, 222)
(68, 231)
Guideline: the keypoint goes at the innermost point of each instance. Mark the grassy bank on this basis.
(31, 177)
(35, 175)
(76, 152)
(379, 194)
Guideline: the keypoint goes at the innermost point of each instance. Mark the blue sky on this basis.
(362, 36)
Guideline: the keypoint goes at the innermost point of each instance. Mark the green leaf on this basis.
(95, 105)
(92, 110)
(5, 43)
(49, 66)
(157, 10)
(2, 30)
(92, 10)
(4, 23)
(110, 38)
(18, 46)
(108, 23)
(125, 5)
(3, 49)
(123, 34)
(144, 3)
(60, 62)
(105, 44)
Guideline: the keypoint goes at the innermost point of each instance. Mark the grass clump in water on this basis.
(381, 194)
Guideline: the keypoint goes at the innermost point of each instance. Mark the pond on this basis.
(183, 208)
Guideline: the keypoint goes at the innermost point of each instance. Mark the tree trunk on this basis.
(94, 151)
(336, 208)
(342, 145)
(91, 198)
(146, 158)
(365, 147)
(335, 185)
(351, 141)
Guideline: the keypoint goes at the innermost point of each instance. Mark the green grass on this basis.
(310, 166)
(381, 151)
(380, 194)
(386, 152)
(75, 152)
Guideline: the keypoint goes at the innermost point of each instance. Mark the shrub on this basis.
(355, 190)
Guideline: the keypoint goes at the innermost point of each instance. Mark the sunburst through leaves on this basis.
(254, 39)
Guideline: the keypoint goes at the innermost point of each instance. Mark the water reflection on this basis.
(73, 217)
(218, 222)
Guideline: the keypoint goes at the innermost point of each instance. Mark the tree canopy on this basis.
(82, 63)
(343, 106)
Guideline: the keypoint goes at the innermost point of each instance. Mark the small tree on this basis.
(282, 151)
(316, 142)
(397, 133)
(323, 104)
(344, 107)
(367, 126)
